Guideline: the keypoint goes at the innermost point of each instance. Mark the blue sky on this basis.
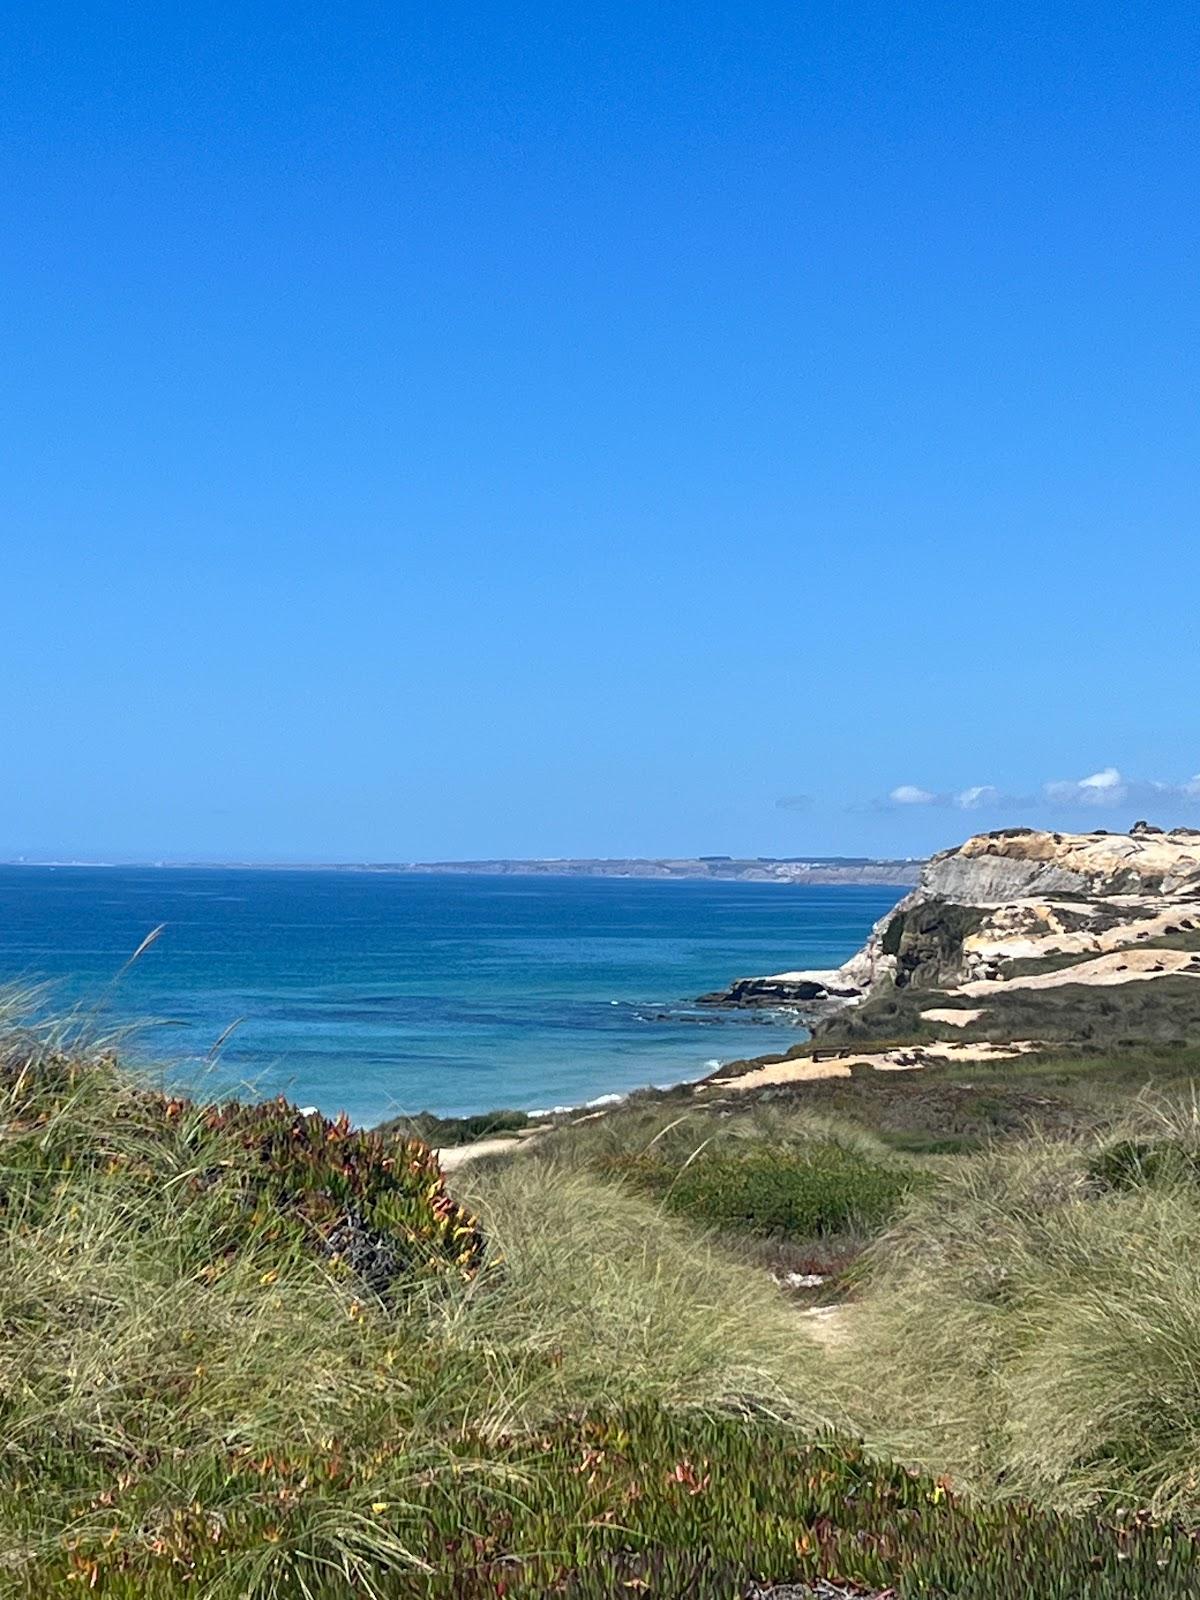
(538, 430)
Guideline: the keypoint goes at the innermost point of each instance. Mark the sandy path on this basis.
(829, 1325)
(452, 1156)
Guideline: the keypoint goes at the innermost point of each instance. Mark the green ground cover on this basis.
(252, 1354)
(810, 1193)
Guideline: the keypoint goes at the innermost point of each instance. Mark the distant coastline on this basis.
(901, 873)
(736, 869)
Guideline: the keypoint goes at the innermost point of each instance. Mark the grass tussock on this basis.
(810, 1194)
(1034, 1327)
(442, 1131)
(195, 1330)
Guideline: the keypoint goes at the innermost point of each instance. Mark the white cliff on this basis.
(1017, 895)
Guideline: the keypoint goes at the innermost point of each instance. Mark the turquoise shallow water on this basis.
(377, 993)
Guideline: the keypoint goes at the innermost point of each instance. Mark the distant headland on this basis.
(755, 869)
(903, 873)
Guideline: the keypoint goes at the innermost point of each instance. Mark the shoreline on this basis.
(545, 1118)
(385, 1002)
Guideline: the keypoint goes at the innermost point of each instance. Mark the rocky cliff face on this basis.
(1021, 862)
(1019, 910)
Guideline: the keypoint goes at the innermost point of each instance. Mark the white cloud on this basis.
(907, 794)
(1107, 788)
(1104, 788)
(980, 794)
(975, 798)
(1110, 787)
(1110, 778)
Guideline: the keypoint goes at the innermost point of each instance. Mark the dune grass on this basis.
(1026, 1313)
(443, 1131)
(1034, 1328)
(782, 1176)
(252, 1354)
(182, 1348)
(676, 1130)
(197, 1387)
(608, 1302)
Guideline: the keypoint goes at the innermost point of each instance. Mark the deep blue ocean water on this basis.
(377, 993)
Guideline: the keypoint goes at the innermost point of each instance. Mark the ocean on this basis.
(381, 993)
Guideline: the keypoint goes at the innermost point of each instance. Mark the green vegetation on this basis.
(674, 1128)
(810, 1188)
(244, 1181)
(205, 1389)
(248, 1353)
(1075, 1016)
(891, 1016)
(940, 1110)
(1027, 1322)
(819, 1190)
(443, 1131)
(1059, 961)
(1036, 1328)
(1039, 966)
(647, 1502)
(1123, 1015)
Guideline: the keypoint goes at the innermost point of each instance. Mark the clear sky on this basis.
(596, 429)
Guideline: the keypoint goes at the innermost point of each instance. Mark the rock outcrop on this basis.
(1011, 910)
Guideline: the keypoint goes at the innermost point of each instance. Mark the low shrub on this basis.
(1159, 1146)
(811, 1192)
(714, 1507)
(1131, 1163)
(259, 1174)
(674, 1133)
(197, 1397)
(200, 1396)
(379, 1205)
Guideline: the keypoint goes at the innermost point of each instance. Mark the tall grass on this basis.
(195, 1390)
(603, 1299)
(168, 1382)
(674, 1135)
(774, 1185)
(1033, 1327)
